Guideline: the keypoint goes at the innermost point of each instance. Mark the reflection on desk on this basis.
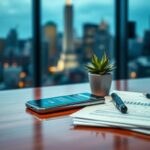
(21, 130)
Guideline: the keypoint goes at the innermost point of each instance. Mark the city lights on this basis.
(133, 74)
(21, 84)
(22, 75)
(60, 65)
(52, 69)
(5, 65)
(68, 2)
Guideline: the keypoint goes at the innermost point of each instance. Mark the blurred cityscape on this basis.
(64, 54)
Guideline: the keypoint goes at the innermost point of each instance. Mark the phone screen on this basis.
(63, 100)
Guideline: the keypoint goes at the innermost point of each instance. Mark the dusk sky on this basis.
(17, 14)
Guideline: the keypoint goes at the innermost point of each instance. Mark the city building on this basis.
(103, 40)
(89, 32)
(97, 39)
(139, 55)
(50, 37)
(11, 76)
(68, 27)
(2, 46)
(146, 43)
(132, 30)
(12, 44)
(68, 58)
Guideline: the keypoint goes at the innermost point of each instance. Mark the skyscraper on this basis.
(146, 44)
(97, 39)
(103, 40)
(68, 27)
(12, 44)
(2, 46)
(68, 57)
(12, 38)
(89, 32)
(50, 35)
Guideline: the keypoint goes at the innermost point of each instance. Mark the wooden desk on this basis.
(21, 129)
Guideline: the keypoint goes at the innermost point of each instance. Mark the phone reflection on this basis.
(50, 115)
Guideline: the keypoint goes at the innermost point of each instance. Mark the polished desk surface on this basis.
(22, 129)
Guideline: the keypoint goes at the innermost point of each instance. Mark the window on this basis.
(71, 31)
(139, 39)
(15, 44)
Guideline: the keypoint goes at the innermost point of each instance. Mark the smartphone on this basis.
(59, 103)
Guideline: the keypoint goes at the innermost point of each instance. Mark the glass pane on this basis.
(15, 44)
(139, 39)
(72, 30)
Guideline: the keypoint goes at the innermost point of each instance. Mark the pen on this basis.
(119, 103)
(147, 95)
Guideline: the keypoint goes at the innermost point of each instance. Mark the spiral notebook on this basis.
(136, 119)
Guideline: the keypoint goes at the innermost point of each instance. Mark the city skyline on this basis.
(64, 54)
(18, 14)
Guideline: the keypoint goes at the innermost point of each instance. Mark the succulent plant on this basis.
(100, 66)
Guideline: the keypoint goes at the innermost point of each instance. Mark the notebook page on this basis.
(136, 102)
(138, 113)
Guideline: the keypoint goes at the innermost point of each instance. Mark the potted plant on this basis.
(100, 76)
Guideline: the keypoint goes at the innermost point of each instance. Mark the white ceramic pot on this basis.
(100, 84)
